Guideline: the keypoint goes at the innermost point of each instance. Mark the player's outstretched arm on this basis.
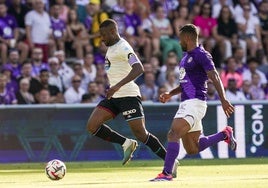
(164, 97)
(226, 105)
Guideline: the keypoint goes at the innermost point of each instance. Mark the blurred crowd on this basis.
(51, 52)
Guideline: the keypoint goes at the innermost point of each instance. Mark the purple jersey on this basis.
(132, 22)
(88, 22)
(37, 68)
(7, 26)
(193, 76)
(7, 97)
(58, 27)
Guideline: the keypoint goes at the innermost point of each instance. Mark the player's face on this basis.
(183, 42)
(105, 36)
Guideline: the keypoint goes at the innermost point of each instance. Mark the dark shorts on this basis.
(130, 107)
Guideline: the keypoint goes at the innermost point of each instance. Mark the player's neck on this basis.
(115, 40)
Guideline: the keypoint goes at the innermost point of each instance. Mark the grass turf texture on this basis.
(237, 173)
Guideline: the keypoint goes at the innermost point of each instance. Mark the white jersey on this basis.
(118, 63)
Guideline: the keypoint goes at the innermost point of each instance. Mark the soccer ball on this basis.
(55, 169)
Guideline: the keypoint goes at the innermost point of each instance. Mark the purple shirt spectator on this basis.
(58, 27)
(132, 22)
(88, 22)
(14, 69)
(7, 26)
(194, 65)
(36, 68)
(7, 97)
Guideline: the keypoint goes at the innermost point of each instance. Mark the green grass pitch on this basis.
(194, 173)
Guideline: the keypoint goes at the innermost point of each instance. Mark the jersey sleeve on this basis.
(206, 61)
(132, 59)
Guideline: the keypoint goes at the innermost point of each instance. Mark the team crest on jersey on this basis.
(181, 73)
(107, 64)
(190, 60)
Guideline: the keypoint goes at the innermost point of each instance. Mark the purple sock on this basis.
(172, 153)
(207, 141)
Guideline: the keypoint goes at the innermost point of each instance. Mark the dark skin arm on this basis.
(226, 105)
(136, 71)
(164, 97)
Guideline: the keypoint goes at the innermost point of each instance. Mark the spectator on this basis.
(238, 8)
(263, 16)
(249, 30)
(148, 68)
(252, 65)
(55, 95)
(93, 91)
(43, 97)
(195, 11)
(23, 95)
(232, 93)
(255, 89)
(212, 94)
(171, 83)
(54, 77)
(75, 92)
(87, 98)
(181, 18)
(9, 35)
(149, 89)
(38, 28)
(37, 62)
(63, 10)
(216, 7)
(134, 32)
(240, 58)
(245, 89)
(26, 72)
(19, 11)
(170, 66)
(230, 72)
(164, 31)
(206, 24)
(77, 38)
(12, 84)
(89, 68)
(59, 32)
(98, 16)
(161, 89)
(65, 71)
(6, 96)
(13, 63)
(78, 70)
(225, 33)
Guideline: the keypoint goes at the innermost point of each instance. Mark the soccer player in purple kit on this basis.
(196, 67)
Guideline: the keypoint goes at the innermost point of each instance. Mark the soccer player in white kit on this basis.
(123, 96)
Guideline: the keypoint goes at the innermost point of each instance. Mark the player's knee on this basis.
(140, 135)
(91, 127)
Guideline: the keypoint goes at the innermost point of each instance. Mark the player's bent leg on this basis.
(97, 118)
(138, 128)
(190, 142)
(229, 137)
(96, 127)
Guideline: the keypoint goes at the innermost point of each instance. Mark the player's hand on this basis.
(164, 97)
(110, 92)
(228, 108)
